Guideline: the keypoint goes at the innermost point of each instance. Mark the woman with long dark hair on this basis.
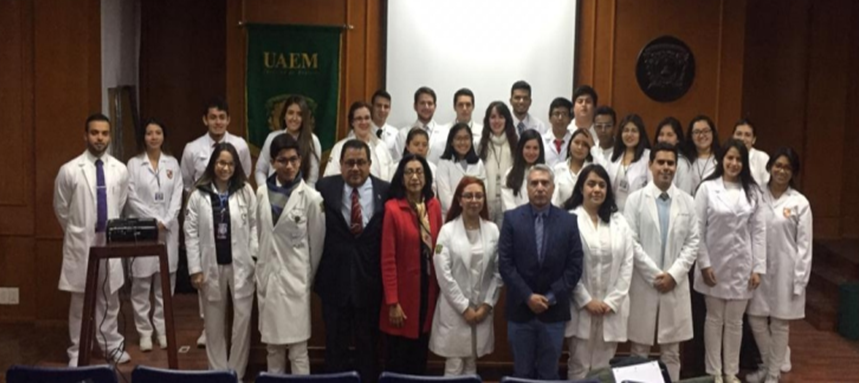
(417, 142)
(497, 144)
(530, 152)
(781, 296)
(411, 226)
(220, 232)
(628, 168)
(702, 144)
(297, 121)
(457, 161)
(732, 258)
(600, 304)
(466, 263)
(567, 173)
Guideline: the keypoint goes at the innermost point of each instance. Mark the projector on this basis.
(132, 230)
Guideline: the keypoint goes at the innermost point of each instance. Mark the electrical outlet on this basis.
(9, 296)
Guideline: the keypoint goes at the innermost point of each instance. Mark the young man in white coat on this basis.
(291, 236)
(88, 191)
(663, 222)
(463, 105)
(425, 104)
(195, 156)
(381, 102)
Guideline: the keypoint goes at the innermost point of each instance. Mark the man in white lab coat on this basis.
(88, 191)
(425, 104)
(196, 156)
(387, 133)
(463, 105)
(584, 102)
(291, 236)
(663, 222)
(520, 101)
(557, 138)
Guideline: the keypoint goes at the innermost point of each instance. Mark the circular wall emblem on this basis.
(665, 69)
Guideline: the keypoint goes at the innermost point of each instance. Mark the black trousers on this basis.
(407, 356)
(342, 325)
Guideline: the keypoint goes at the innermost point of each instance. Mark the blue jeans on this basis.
(536, 348)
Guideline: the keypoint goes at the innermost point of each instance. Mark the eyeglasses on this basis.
(287, 160)
(225, 164)
(700, 132)
(414, 172)
(472, 196)
(351, 163)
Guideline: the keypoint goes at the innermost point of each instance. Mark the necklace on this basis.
(701, 167)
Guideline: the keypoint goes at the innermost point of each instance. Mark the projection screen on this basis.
(484, 45)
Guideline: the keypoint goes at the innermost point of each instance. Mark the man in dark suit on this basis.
(540, 259)
(349, 277)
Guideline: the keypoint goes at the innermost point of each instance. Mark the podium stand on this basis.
(121, 250)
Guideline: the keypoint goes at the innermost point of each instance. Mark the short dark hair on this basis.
(663, 146)
(463, 92)
(283, 142)
(425, 90)
(747, 122)
(380, 94)
(96, 117)
(792, 159)
(562, 103)
(356, 144)
(606, 110)
(141, 134)
(521, 85)
(578, 198)
(217, 103)
(397, 190)
(585, 90)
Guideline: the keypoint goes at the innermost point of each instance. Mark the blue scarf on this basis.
(279, 195)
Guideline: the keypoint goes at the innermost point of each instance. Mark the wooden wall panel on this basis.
(18, 271)
(16, 105)
(714, 31)
(51, 303)
(850, 178)
(182, 65)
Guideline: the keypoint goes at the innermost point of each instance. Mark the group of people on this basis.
(413, 232)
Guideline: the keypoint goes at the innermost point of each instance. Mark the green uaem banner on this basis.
(284, 60)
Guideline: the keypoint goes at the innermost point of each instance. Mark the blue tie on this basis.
(538, 228)
(520, 127)
(101, 197)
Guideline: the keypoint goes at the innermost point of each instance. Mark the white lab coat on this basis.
(531, 123)
(637, 176)
(196, 156)
(437, 140)
(476, 131)
(289, 253)
(669, 315)
(701, 168)
(76, 209)
(447, 177)
(733, 240)
(381, 167)
(498, 160)
(508, 200)
(264, 169)
(200, 241)
(616, 273)
(565, 181)
(789, 235)
(553, 156)
(601, 156)
(758, 165)
(389, 137)
(143, 184)
(683, 175)
(451, 335)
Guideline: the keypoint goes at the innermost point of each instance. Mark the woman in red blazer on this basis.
(410, 228)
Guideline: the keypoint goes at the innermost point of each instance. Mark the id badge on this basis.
(623, 186)
(222, 231)
(159, 197)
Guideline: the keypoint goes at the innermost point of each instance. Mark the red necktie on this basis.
(558, 143)
(357, 225)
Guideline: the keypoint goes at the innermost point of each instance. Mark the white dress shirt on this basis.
(553, 156)
(365, 198)
(531, 122)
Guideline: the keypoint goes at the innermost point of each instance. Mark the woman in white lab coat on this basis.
(291, 235)
(744, 130)
(296, 120)
(628, 167)
(567, 173)
(220, 239)
(154, 191)
(417, 142)
(600, 303)
(497, 146)
(457, 161)
(381, 164)
(702, 145)
(670, 131)
(732, 256)
(529, 152)
(466, 264)
(781, 296)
